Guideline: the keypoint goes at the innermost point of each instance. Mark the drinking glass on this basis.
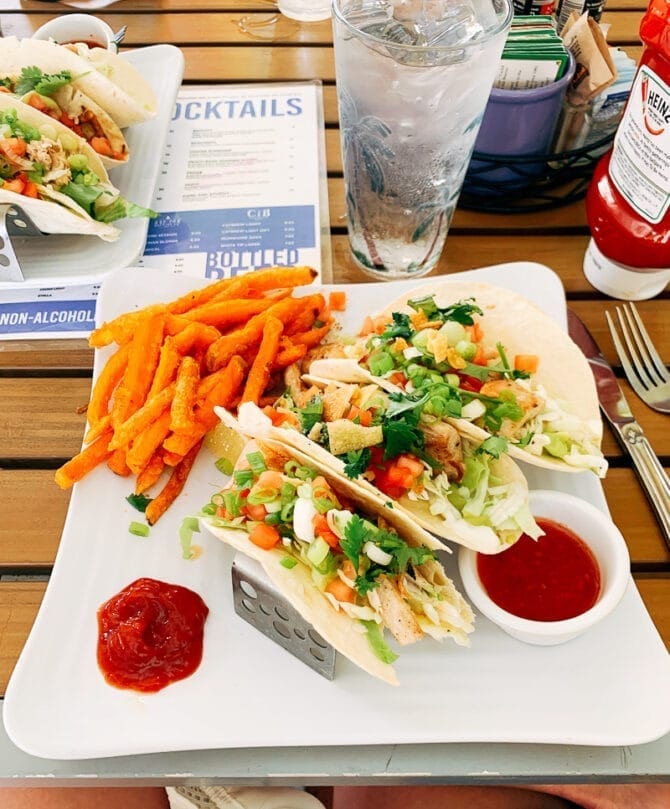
(413, 80)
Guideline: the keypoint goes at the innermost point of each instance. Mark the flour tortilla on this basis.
(105, 77)
(58, 213)
(296, 584)
(411, 517)
(522, 328)
(74, 103)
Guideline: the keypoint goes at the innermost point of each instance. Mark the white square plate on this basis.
(64, 259)
(608, 687)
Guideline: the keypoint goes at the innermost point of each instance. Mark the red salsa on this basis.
(150, 635)
(550, 579)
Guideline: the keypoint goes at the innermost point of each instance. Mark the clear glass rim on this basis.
(503, 23)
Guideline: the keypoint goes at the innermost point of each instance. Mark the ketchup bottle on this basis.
(628, 201)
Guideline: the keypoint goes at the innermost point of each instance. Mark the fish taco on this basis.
(106, 78)
(352, 570)
(399, 453)
(55, 95)
(55, 176)
(510, 370)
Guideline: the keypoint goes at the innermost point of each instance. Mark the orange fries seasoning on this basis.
(153, 402)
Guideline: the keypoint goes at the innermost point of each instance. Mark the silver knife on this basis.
(613, 403)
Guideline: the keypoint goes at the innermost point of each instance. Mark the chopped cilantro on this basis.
(355, 535)
(357, 461)
(32, 78)
(495, 445)
(139, 501)
(401, 327)
(461, 312)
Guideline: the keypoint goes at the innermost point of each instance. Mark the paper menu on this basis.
(242, 185)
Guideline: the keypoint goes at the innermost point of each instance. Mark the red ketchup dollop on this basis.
(150, 635)
(550, 579)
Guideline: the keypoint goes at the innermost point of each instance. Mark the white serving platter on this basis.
(64, 259)
(608, 687)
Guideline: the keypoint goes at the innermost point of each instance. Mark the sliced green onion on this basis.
(188, 526)
(209, 509)
(258, 496)
(243, 478)
(273, 519)
(288, 562)
(257, 463)
(217, 499)
(286, 513)
(287, 493)
(232, 503)
(225, 465)
(380, 363)
(294, 470)
(138, 529)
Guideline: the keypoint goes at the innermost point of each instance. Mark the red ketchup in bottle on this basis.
(628, 202)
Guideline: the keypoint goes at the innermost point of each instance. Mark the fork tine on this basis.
(654, 361)
(632, 345)
(623, 356)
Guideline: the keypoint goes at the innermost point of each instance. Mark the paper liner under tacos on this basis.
(409, 515)
(58, 214)
(105, 77)
(296, 584)
(522, 328)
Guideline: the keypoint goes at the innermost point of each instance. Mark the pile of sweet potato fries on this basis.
(153, 402)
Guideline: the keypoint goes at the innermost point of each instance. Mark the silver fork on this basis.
(644, 368)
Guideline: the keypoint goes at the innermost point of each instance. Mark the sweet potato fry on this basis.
(123, 328)
(259, 374)
(109, 378)
(287, 356)
(171, 458)
(133, 388)
(147, 442)
(224, 314)
(195, 335)
(313, 337)
(82, 463)
(143, 417)
(94, 432)
(150, 474)
(168, 362)
(185, 392)
(159, 505)
(117, 463)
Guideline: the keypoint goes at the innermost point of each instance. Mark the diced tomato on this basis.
(30, 190)
(37, 102)
(221, 512)
(526, 362)
(265, 536)
(341, 591)
(13, 147)
(257, 512)
(16, 185)
(480, 355)
(337, 301)
(395, 477)
(279, 418)
(67, 121)
(364, 416)
(474, 332)
(270, 480)
(398, 378)
(101, 145)
(470, 383)
(322, 529)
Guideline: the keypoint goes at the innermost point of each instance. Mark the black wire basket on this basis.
(528, 183)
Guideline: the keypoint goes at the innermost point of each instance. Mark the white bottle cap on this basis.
(619, 281)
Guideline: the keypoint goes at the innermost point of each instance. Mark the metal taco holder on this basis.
(260, 603)
(13, 222)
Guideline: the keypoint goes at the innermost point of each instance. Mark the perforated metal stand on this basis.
(258, 601)
(13, 222)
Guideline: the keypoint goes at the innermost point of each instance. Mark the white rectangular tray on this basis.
(609, 687)
(64, 259)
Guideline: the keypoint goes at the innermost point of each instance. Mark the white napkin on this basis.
(241, 798)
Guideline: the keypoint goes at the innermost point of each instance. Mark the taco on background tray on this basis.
(350, 569)
(463, 491)
(511, 370)
(55, 95)
(55, 176)
(104, 77)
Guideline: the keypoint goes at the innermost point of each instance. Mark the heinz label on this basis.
(640, 164)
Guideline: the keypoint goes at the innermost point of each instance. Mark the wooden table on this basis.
(42, 384)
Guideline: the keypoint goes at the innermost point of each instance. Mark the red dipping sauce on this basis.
(150, 635)
(550, 579)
